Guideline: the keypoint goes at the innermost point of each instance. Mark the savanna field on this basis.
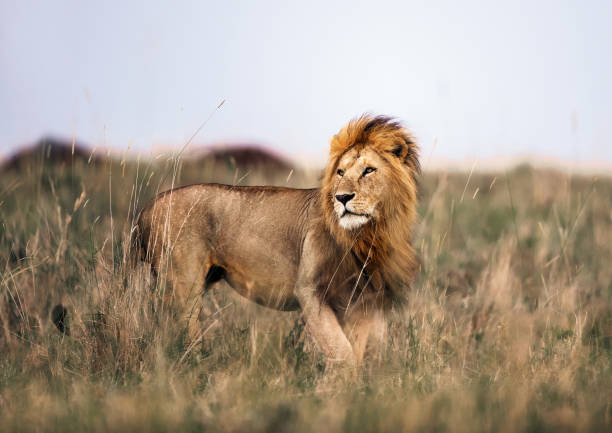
(508, 326)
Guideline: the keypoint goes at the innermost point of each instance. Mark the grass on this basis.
(508, 326)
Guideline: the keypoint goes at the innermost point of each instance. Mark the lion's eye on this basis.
(340, 172)
(368, 170)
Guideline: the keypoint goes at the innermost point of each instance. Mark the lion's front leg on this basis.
(323, 325)
(359, 325)
(321, 320)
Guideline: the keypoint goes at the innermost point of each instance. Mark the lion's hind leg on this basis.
(188, 276)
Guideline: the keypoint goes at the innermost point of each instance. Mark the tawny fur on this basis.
(340, 263)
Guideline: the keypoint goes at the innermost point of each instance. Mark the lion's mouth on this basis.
(348, 212)
(353, 220)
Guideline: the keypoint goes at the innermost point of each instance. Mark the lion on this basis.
(341, 253)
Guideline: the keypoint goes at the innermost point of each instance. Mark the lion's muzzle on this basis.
(345, 198)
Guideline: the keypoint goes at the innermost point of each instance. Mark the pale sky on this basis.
(470, 78)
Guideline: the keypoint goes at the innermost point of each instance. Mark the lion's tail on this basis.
(59, 317)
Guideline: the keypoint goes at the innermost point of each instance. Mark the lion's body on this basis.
(251, 237)
(295, 249)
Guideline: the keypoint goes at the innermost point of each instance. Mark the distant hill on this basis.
(47, 150)
(241, 163)
(245, 157)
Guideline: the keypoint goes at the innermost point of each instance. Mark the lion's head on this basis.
(369, 194)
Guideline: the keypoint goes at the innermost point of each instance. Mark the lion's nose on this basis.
(344, 198)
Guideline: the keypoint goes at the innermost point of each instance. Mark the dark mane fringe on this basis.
(383, 246)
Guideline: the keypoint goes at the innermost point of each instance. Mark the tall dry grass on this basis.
(508, 326)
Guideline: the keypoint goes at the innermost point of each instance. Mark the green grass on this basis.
(508, 326)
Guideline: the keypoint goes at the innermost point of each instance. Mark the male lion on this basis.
(341, 254)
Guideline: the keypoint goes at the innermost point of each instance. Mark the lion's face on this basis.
(359, 189)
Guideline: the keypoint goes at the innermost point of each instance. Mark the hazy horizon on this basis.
(472, 81)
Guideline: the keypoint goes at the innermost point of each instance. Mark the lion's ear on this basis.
(398, 150)
(405, 151)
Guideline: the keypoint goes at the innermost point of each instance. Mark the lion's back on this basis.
(223, 215)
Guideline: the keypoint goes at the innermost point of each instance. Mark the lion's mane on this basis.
(383, 246)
